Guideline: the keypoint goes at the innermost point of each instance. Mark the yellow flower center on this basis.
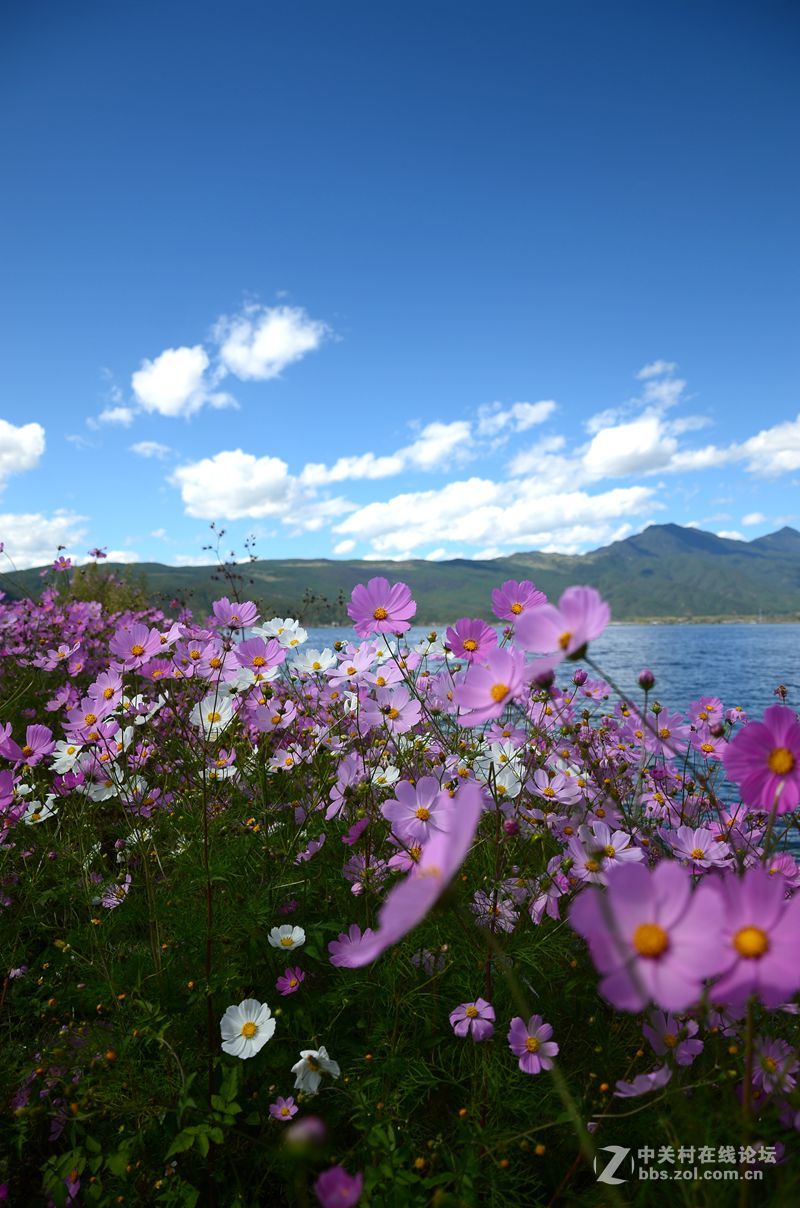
(90, 719)
(350, 670)
(547, 791)
(293, 982)
(610, 851)
(781, 761)
(516, 609)
(663, 732)
(650, 939)
(108, 693)
(380, 614)
(137, 649)
(470, 644)
(532, 1044)
(213, 716)
(215, 662)
(312, 1063)
(27, 751)
(697, 853)
(472, 1012)
(565, 639)
(670, 1040)
(194, 654)
(751, 942)
(499, 692)
(770, 1064)
(287, 941)
(592, 866)
(249, 1030)
(422, 813)
(285, 1111)
(259, 661)
(392, 714)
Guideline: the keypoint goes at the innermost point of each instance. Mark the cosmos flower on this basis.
(563, 632)
(532, 1044)
(512, 599)
(408, 902)
(418, 810)
(764, 760)
(246, 1028)
(758, 937)
(290, 980)
(214, 714)
(335, 1188)
(340, 947)
(471, 639)
(283, 1109)
(475, 1019)
(287, 937)
(309, 1069)
(232, 615)
(666, 1035)
(381, 608)
(650, 936)
(485, 689)
(643, 1083)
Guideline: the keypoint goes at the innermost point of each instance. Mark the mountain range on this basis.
(664, 573)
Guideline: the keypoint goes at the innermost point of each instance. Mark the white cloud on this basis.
(731, 535)
(151, 448)
(656, 369)
(32, 539)
(123, 416)
(121, 555)
(174, 384)
(441, 554)
(233, 485)
(478, 512)
(344, 547)
(191, 560)
(261, 341)
(493, 418)
(753, 518)
(773, 451)
(437, 446)
(633, 448)
(20, 449)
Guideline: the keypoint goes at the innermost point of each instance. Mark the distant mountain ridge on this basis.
(664, 572)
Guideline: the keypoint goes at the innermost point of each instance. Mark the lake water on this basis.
(742, 664)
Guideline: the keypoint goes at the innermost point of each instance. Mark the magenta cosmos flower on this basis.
(135, 644)
(511, 600)
(532, 1044)
(475, 1019)
(471, 638)
(232, 615)
(408, 902)
(335, 1188)
(283, 1109)
(563, 632)
(760, 940)
(485, 689)
(346, 941)
(381, 607)
(650, 936)
(764, 760)
(290, 980)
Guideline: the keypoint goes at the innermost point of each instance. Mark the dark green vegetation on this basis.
(666, 572)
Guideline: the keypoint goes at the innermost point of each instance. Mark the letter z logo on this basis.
(619, 1154)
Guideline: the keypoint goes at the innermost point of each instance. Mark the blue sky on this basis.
(396, 280)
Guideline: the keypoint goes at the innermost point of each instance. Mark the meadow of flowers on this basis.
(386, 923)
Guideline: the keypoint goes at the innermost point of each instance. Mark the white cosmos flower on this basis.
(385, 777)
(65, 756)
(212, 715)
(309, 1069)
(246, 1028)
(313, 661)
(38, 811)
(287, 937)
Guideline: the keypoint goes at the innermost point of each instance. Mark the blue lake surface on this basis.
(742, 664)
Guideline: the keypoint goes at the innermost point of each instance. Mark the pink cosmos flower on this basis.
(341, 947)
(135, 644)
(532, 1044)
(471, 638)
(408, 902)
(417, 811)
(764, 760)
(563, 632)
(511, 600)
(650, 936)
(775, 1066)
(335, 1188)
(259, 656)
(475, 1019)
(666, 1035)
(381, 608)
(699, 845)
(643, 1083)
(232, 615)
(283, 1109)
(485, 689)
(39, 742)
(394, 708)
(759, 939)
(290, 980)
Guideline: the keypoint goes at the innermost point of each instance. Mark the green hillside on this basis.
(665, 572)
